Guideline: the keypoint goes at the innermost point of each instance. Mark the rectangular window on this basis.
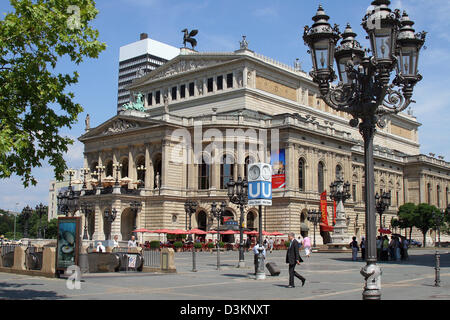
(182, 91)
(191, 89)
(363, 193)
(230, 80)
(219, 82)
(150, 98)
(158, 97)
(210, 84)
(174, 93)
(354, 192)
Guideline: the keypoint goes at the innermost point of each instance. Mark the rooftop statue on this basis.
(138, 105)
(188, 37)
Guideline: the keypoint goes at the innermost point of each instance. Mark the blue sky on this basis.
(273, 28)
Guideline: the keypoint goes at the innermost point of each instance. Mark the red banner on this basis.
(323, 207)
(334, 209)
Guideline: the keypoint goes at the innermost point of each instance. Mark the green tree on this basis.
(424, 220)
(34, 103)
(406, 217)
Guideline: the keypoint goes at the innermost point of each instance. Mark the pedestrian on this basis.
(405, 244)
(132, 242)
(116, 241)
(363, 248)
(397, 249)
(256, 252)
(385, 249)
(354, 247)
(307, 246)
(265, 243)
(271, 245)
(248, 243)
(100, 247)
(379, 245)
(293, 258)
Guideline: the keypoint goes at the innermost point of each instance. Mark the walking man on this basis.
(293, 258)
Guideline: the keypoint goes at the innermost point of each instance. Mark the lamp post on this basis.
(340, 192)
(40, 210)
(383, 202)
(135, 206)
(364, 90)
(109, 215)
(218, 213)
(85, 173)
(87, 209)
(238, 194)
(100, 170)
(68, 201)
(314, 216)
(117, 166)
(26, 214)
(190, 207)
(141, 174)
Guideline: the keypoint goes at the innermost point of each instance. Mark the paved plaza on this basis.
(331, 276)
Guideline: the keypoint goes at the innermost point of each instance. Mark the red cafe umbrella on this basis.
(177, 231)
(160, 231)
(229, 232)
(251, 233)
(276, 233)
(384, 231)
(142, 230)
(197, 231)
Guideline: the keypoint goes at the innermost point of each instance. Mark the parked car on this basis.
(415, 243)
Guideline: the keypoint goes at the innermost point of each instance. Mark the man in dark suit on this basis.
(293, 258)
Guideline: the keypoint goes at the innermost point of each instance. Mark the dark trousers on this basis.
(293, 273)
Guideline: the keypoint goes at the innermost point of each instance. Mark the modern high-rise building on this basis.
(139, 58)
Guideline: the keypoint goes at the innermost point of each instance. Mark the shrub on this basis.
(287, 244)
(197, 245)
(178, 244)
(221, 244)
(154, 244)
(211, 245)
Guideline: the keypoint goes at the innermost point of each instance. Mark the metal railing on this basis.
(152, 258)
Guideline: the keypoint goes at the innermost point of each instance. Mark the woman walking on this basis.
(354, 246)
(307, 246)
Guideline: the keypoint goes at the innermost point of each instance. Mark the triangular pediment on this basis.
(118, 125)
(184, 64)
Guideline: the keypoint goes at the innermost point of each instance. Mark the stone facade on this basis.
(211, 98)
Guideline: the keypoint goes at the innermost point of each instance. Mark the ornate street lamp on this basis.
(68, 201)
(382, 203)
(314, 216)
(340, 192)
(85, 173)
(100, 170)
(366, 93)
(238, 194)
(87, 208)
(117, 166)
(40, 210)
(135, 206)
(218, 213)
(26, 214)
(190, 207)
(141, 176)
(109, 216)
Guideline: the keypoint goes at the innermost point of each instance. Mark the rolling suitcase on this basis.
(273, 268)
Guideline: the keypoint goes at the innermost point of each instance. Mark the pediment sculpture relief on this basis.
(184, 66)
(121, 125)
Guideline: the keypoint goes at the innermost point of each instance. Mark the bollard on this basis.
(437, 281)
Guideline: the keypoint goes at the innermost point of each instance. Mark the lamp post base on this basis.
(372, 275)
(241, 264)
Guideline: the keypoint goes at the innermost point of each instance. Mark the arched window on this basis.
(201, 220)
(124, 169)
(320, 177)
(438, 194)
(157, 169)
(203, 175)
(251, 218)
(109, 168)
(226, 171)
(301, 174)
(429, 193)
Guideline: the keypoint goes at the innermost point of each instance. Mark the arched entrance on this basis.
(201, 220)
(126, 224)
(227, 216)
(251, 221)
(91, 225)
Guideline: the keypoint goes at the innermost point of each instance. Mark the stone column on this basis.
(149, 169)
(131, 167)
(164, 163)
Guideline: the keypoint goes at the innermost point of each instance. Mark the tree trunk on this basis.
(424, 238)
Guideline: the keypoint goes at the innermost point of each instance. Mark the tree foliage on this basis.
(7, 225)
(34, 102)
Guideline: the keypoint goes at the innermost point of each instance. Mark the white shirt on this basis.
(256, 251)
(102, 247)
(132, 243)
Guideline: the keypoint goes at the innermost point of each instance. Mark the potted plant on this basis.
(154, 245)
(197, 246)
(287, 244)
(178, 245)
(210, 246)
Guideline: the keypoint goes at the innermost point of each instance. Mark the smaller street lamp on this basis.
(40, 210)
(218, 213)
(87, 208)
(26, 214)
(85, 173)
(109, 216)
(382, 203)
(190, 207)
(314, 216)
(141, 176)
(135, 206)
(100, 170)
(117, 166)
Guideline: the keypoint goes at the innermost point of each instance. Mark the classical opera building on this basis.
(197, 122)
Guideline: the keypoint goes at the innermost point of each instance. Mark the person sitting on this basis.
(100, 247)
